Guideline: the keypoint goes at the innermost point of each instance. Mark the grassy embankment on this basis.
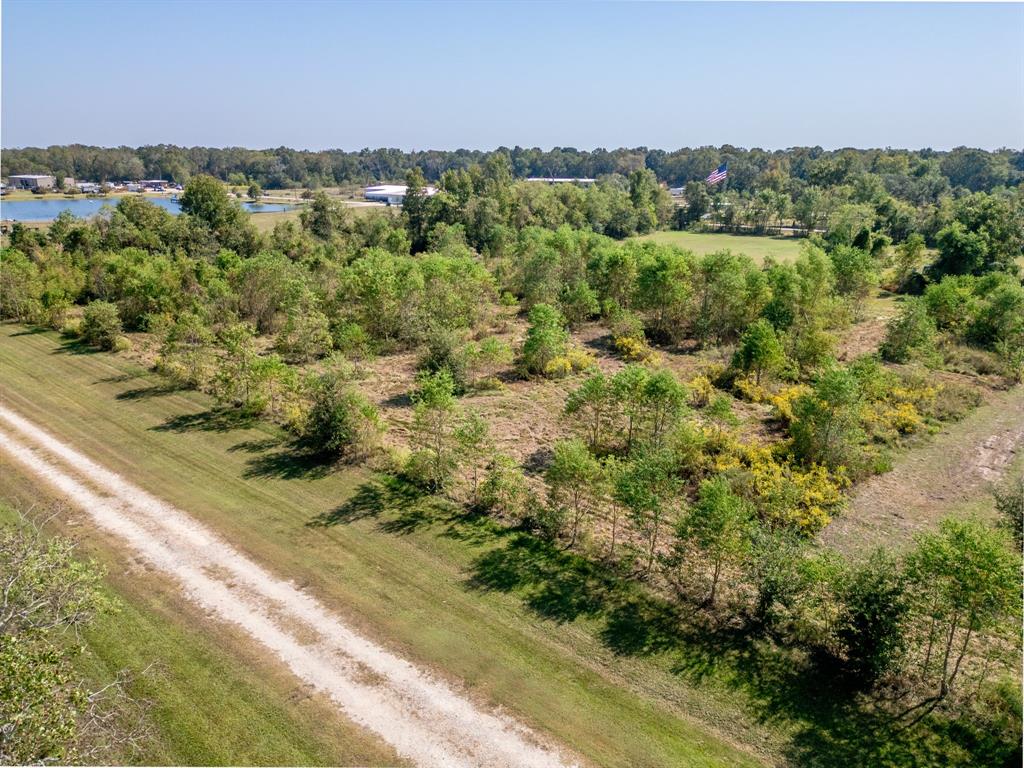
(446, 592)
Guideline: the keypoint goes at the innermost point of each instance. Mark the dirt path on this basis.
(957, 468)
(422, 717)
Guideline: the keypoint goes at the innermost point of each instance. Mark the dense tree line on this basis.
(913, 175)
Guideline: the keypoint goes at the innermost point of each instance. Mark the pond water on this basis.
(84, 207)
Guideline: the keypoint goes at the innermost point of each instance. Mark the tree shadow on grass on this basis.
(213, 420)
(807, 696)
(75, 347)
(32, 331)
(556, 584)
(144, 393)
(823, 718)
(290, 463)
(408, 508)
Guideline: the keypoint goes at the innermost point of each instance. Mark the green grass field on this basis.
(377, 557)
(756, 247)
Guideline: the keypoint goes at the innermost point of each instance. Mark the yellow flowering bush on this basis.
(783, 401)
(636, 350)
(750, 390)
(701, 390)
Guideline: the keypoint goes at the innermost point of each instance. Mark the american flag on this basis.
(717, 175)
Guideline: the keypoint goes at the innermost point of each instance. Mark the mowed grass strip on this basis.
(757, 247)
(401, 580)
(213, 698)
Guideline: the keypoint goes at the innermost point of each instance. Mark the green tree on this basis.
(965, 581)
(341, 422)
(911, 334)
(909, 255)
(593, 403)
(415, 209)
(649, 489)
(255, 192)
(759, 350)
(546, 338)
(435, 420)
(472, 436)
(826, 425)
(718, 528)
(574, 481)
(47, 711)
(871, 627)
(101, 325)
(1010, 506)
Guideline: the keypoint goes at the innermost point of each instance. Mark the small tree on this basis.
(573, 477)
(826, 425)
(435, 417)
(341, 421)
(965, 581)
(649, 490)
(593, 405)
(910, 335)
(909, 255)
(718, 527)
(474, 442)
(101, 325)
(630, 388)
(504, 491)
(1010, 506)
(759, 350)
(871, 627)
(255, 192)
(546, 338)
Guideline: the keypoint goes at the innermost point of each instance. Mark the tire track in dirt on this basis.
(421, 716)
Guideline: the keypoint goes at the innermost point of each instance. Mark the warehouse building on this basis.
(392, 194)
(32, 181)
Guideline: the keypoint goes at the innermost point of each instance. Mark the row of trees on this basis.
(907, 174)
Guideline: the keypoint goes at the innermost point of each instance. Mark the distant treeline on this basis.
(918, 176)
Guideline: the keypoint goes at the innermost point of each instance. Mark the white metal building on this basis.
(392, 194)
(32, 181)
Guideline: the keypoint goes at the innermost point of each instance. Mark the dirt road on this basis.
(421, 716)
(955, 471)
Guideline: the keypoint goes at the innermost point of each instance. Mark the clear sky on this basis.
(446, 75)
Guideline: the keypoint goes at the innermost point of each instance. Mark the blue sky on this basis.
(446, 75)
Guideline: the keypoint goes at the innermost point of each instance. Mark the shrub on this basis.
(872, 617)
(759, 351)
(701, 391)
(352, 340)
(546, 339)
(101, 325)
(910, 335)
(504, 491)
(340, 421)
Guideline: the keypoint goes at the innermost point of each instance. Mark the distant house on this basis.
(131, 186)
(89, 187)
(32, 181)
(561, 180)
(392, 194)
(153, 185)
